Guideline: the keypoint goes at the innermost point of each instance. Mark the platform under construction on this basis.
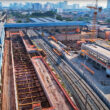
(29, 89)
(97, 53)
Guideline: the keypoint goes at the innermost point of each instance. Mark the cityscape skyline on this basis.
(102, 3)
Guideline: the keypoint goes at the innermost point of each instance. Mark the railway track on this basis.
(86, 96)
(80, 89)
(28, 87)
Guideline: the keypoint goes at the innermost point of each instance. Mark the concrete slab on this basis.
(99, 78)
(98, 50)
(54, 92)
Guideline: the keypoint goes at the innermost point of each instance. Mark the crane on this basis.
(96, 10)
(94, 30)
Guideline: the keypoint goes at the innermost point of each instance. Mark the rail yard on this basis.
(29, 89)
(48, 68)
(67, 74)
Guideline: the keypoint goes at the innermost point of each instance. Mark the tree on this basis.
(108, 20)
(80, 19)
(19, 21)
(59, 17)
(68, 19)
(86, 15)
(39, 14)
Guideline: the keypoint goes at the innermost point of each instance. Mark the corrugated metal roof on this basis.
(35, 20)
(52, 19)
(62, 23)
(43, 19)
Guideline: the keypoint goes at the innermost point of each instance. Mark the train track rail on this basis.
(80, 89)
(86, 96)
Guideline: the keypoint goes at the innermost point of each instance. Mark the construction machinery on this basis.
(94, 28)
(53, 38)
(57, 51)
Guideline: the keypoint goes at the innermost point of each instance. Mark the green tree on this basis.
(80, 19)
(108, 20)
(19, 21)
(59, 17)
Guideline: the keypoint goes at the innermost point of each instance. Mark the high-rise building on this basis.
(62, 5)
(108, 4)
(75, 6)
(37, 6)
(0, 5)
(14, 6)
(48, 6)
(28, 5)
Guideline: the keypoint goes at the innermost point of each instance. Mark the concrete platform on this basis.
(55, 94)
(99, 78)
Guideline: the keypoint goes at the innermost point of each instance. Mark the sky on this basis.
(102, 3)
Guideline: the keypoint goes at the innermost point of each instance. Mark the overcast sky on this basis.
(81, 2)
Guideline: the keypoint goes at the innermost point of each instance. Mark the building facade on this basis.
(108, 4)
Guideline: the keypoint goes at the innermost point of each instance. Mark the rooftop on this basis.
(46, 19)
(35, 20)
(99, 49)
(43, 24)
(55, 94)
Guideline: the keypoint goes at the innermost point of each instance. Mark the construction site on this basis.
(49, 64)
(35, 78)
(30, 88)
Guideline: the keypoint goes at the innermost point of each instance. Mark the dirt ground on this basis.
(8, 96)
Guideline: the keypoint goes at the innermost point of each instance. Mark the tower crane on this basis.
(94, 29)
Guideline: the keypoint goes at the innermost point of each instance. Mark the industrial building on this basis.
(108, 4)
(49, 24)
(61, 30)
(104, 33)
(46, 19)
(35, 20)
(99, 54)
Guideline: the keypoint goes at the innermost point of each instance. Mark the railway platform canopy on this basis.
(98, 54)
(47, 24)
